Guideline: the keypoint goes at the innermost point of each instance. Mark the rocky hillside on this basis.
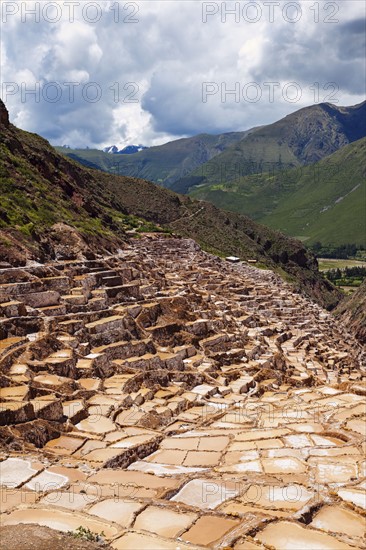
(49, 206)
(53, 208)
(302, 138)
(352, 312)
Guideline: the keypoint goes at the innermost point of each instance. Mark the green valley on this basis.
(322, 202)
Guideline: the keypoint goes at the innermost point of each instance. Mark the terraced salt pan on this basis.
(132, 441)
(261, 434)
(179, 443)
(326, 441)
(99, 457)
(209, 529)
(202, 458)
(51, 379)
(339, 520)
(241, 467)
(47, 481)
(90, 383)
(242, 510)
(257, 453)
(60, 356)
(96, 425)
(163, 469)
(298, 441)
(282, 497)
(14, 393)
(15, 471)
(247, 545)
(355, 496)
(291, 536)
(206, 494)
(332, 471)
(241, 456)
(71, 408)
(357, 425)
(88, 447)
(283, 465)
(335, 451)
(164, 522)
(134, 541)
(305, 427)
(285, 453)
(14, 498)
(348, 413)
(66, 443)
(70, 500)
(119, 511)
(195, 443)
(131, 482)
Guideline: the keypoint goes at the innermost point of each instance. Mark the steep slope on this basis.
(302, 138)
(41, 189)
(352, 312)
(163, 164)
(323, 202)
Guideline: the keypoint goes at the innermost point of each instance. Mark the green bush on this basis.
(85, 533)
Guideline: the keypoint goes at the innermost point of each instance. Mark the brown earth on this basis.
(36, 537)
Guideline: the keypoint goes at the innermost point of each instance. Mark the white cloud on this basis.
(163, 61)
(76, 46)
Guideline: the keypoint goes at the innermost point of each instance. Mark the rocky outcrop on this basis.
(67, 243)
(352, 312)
(4, 115)
(36, 433)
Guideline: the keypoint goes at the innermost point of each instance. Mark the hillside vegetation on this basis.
(352, 311)
(163, 164)
(323, 202)
(41, 189)
(300, 175)
(302, 138)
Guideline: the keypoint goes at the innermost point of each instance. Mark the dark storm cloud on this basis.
(351, 44)
(326, 54)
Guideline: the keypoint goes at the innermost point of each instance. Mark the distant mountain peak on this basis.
(110, 149)
(127, 150)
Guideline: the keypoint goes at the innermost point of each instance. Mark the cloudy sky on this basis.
(87, 73)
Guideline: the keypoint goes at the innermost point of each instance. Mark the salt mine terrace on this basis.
(173, 400)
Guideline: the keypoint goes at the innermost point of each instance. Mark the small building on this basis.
(232, 259)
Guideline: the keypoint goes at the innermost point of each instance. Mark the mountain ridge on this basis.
(300, 138)
(42, 192)
(193, 164)
(161, 164)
